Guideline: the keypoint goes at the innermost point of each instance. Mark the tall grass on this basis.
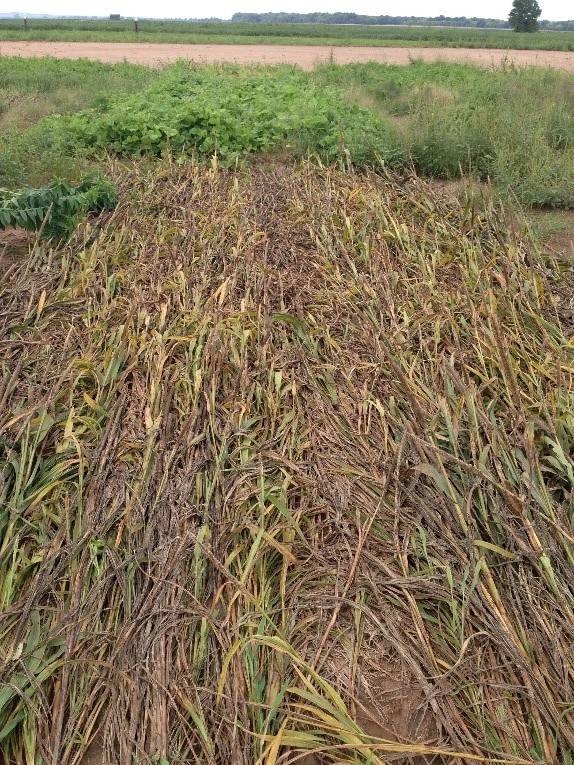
(512, 126)
(282, 450)
(31, 90)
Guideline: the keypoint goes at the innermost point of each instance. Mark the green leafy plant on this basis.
(55, 209)
(233, 112)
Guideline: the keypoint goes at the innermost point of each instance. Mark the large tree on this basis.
(524, 15)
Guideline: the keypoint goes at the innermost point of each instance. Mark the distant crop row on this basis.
(513, 127)
(285, 34)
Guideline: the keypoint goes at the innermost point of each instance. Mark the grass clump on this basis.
(31, 152)
(512, 126)
(282, 450)
(34, 88)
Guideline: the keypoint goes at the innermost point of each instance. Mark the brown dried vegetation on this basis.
(286, 473)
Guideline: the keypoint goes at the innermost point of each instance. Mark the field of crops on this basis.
(284, 34)
(286, 425)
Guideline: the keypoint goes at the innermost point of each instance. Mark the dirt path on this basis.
(306, 56)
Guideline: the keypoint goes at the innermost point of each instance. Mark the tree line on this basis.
(357, 18)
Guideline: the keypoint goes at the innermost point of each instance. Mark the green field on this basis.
(282, 34)
(286, 415)
(512, 127)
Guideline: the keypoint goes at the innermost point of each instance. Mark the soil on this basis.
(306, 56)
(14, 246)
(561, 243)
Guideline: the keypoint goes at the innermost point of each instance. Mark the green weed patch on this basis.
(512, 126)
(234, 112)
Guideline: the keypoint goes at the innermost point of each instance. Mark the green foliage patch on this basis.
(234, 112)
(56, 209)
(513, 127)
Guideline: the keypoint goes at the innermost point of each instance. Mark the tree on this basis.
(524, 15)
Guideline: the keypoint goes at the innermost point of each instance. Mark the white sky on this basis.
(551, 9)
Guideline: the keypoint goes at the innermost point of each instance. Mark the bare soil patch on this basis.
(305, 56)
(561, 242)
(14, 245)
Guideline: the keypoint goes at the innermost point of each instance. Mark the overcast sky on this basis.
(551, 9)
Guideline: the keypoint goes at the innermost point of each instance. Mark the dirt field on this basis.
(305, 56)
